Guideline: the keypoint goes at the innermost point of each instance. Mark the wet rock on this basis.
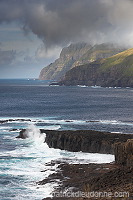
(3, 121)
(21, 134)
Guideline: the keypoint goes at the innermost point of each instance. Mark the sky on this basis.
(33, 32)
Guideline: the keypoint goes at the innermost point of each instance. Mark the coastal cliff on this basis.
(115, 71)
(75, 55)
(124, 153)
(68, 56)
(82, 140)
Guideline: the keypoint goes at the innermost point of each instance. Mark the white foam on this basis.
(116, 122)
(96, 86)
(62, 122)
(56, 124)
(109, 121)
(82, 86)
(117, 132)
(85, 158)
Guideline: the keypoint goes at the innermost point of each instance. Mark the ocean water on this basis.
(33, 104)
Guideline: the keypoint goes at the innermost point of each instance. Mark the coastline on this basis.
(111, 178)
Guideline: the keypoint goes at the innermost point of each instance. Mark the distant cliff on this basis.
(75, 55)
(68, 56)
(114, 71)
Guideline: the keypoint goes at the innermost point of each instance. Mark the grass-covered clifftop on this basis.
(97, 52)
(114, 71)
(123, 60)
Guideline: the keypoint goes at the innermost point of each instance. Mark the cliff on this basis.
(97, 52)
(75, 55)
(83, 140)
(68, 56)
(124, 153)
(115, 71)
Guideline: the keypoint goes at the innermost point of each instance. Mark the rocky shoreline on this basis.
(113, 178)
(90, 178)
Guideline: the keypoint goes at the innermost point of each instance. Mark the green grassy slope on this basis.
(123, 61)
(114, 71)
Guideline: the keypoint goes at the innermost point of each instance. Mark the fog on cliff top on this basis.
(60, 22)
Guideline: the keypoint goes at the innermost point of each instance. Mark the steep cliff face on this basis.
(113, 71)
(69, 55)
(76, 55)
(85, 140)
(124, 153)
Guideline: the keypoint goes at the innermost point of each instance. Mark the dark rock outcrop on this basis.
(85, 140)
(124, 153)
(22, 134)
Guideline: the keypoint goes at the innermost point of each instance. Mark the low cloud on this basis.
(7, 57)
(59, 22)
(43, 53)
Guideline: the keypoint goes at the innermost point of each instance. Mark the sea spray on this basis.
(34, 135)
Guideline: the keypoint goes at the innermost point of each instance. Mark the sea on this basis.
(33, 104)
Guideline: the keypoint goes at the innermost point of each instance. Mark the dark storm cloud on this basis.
(59, 22)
